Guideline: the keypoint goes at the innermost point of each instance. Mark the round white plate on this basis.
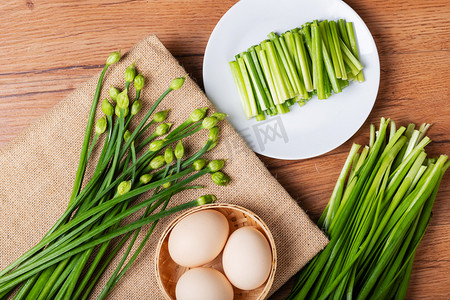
(319, 126)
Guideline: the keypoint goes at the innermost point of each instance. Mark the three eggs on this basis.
(199, 238)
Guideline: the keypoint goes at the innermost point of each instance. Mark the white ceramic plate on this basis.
(319, 126)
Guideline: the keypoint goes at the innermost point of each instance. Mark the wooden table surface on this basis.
(50, 47)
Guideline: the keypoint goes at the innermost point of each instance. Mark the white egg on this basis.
(203, 284)
(247, 258)
(198, 238)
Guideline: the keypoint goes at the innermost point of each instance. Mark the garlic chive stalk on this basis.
(376, 219)
(113, 58)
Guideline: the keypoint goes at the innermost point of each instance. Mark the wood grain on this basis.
(48, 48)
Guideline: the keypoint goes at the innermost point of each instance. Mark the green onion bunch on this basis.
(70, 259)
(377, 215)
(318, 58)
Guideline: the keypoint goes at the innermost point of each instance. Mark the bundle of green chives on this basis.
(80, 241)
(377, 215)
(318, 58)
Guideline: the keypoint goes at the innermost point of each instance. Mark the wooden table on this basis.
(50, 47)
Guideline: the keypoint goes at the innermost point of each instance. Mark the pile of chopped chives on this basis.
(320, 58)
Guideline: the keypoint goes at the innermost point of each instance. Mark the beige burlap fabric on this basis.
(38, 168)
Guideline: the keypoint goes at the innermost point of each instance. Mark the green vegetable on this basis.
(214, 134)
(70, 259)
(145, 178)
(136, 107)
(177, 83)
(320, 58)
(161, 116)
(163, 129)
(259, 93)
(179, 150)
(209, 122)
(280, 81)
(242, 90)
(157, 162)
(130, 73)
(199, 164)
(353, 46)
(107, 108)
(113, 58)
(248, 87)
(126, 135)
(113, 93)
(377, 215)
(121, 112)
(197, 114)
(139, 82)
(168, 155)
(216, 165)
(100, 126)
(219, 116)
(220, 178)
(123, 187)
(157, 145)
(302, 60)
(122, 99)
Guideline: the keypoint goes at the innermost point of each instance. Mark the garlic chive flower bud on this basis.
(219, 116)
(198, 114)
(206, 199)
(139, 82)
(162, 129)
(130, 73)
(214, 134)
(126, 110)
(209, 122)
(177, 83)
(100, 126)
(113, 58)
(167, 185)
(157, 162)
(126, 135)
(124, 187)
(136, 107)
(146, 178)
(179, 150)
(213, 145)
(168, 155)
(156, 145)
(113, 93)
(199, 164)
(160, 116)
(216, 165)
(122, 99)
(107, 108)
(220, 178)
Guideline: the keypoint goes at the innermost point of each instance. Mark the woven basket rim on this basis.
(244, 210)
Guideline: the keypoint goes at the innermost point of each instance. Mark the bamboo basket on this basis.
(168, 272)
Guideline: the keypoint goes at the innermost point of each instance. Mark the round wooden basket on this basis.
(168, 272)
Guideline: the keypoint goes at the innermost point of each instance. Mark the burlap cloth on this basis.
(38, 168)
